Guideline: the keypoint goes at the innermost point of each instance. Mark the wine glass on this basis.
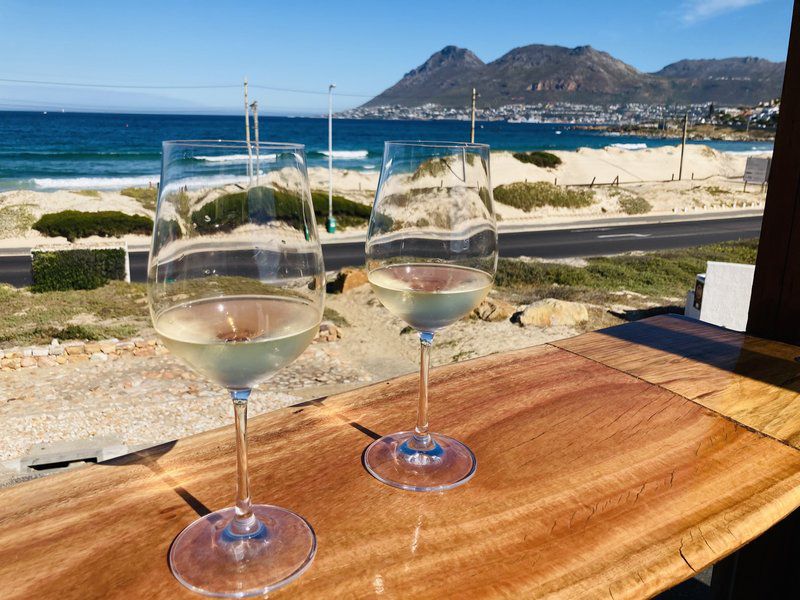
(236, 289)
(431, 258)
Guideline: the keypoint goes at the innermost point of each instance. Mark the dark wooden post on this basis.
(775, 301)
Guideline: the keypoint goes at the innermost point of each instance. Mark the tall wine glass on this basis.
(236, 288)
(431, 258)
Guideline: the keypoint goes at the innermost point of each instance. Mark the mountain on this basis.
(744, 80)
(541, 73)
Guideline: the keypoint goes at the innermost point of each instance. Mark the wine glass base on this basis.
(393, 460)
(207, 559)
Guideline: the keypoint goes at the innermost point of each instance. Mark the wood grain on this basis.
(751, 380)
(590, 483)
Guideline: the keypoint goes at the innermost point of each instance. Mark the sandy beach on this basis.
(711, 183)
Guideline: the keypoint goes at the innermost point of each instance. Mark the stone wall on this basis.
(57, 353)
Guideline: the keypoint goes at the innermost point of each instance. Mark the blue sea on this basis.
(57, 150)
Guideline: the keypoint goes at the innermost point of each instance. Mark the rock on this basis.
(108, 347)
(39, 351)
(348, 279)
(54, 342)
(328, 332)
(75, 350)
(46, 361)
(493, 309)
(91, 348)
(98, 356)
(551, 312)
(28, 361)
(56, 350)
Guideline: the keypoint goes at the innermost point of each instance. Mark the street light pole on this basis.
(330, 224)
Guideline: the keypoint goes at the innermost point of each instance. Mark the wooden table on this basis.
(615, 464)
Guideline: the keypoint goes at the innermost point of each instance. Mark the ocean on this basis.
(57, 150)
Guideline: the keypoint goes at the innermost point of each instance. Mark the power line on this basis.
(315, 92)
(174, 87)
(130, 87)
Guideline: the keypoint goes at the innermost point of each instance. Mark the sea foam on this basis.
(640, 146)
(237, 158)
(93, 183)
(346, 153)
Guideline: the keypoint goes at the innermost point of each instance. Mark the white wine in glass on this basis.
(236, 290)
(431, 259)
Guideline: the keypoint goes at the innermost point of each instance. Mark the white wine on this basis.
(429, 296)
(237, 341)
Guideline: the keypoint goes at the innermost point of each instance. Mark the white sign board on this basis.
(757, 170)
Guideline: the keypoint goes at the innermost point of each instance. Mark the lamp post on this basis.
(330, 222)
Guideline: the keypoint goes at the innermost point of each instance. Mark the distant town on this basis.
(762, 116)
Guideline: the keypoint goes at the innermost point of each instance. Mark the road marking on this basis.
(625, 235)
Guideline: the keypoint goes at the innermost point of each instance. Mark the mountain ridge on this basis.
(550, 73)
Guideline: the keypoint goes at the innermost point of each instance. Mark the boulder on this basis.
(328, 332)
(348, 279)
(551, 312)
(493, 309)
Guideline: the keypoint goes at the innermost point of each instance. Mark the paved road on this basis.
(560, 243)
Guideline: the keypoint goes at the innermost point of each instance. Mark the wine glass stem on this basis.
(422, 439)
(244, 522)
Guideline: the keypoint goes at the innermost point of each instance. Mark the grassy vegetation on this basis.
(634, 205)
(664, 274)
(88, 193)
(15, 220)
(546, 160)
(715, 190)
(232, 210)
(146, 196)
(74, 224)
(527, 196)
(118, 309)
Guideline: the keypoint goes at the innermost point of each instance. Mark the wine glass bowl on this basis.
(431, 258)
(236, 291)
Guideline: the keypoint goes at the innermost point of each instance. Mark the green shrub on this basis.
(634, 205)
(73, 224)
(546, 160)
(146, 196)
(78, 269)
(232, 210)
(527, 196)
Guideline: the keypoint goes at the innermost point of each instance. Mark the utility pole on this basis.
(254, 106)
(472, 128)
(683, 144)
(330, 223)
(247, 133)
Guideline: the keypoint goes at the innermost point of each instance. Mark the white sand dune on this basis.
(712, 182)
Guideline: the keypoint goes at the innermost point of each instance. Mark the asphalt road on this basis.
(560, 243)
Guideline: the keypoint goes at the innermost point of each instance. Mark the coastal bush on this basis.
(668, 274)
(527, 196)
(87, 193)
(146, 196)
(634, 205)
(78, 269)
(74, 224)
(232, 210)
(546, 160)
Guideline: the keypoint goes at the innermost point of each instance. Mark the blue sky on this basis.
(362, 46)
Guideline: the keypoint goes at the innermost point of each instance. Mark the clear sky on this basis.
(364, 47)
